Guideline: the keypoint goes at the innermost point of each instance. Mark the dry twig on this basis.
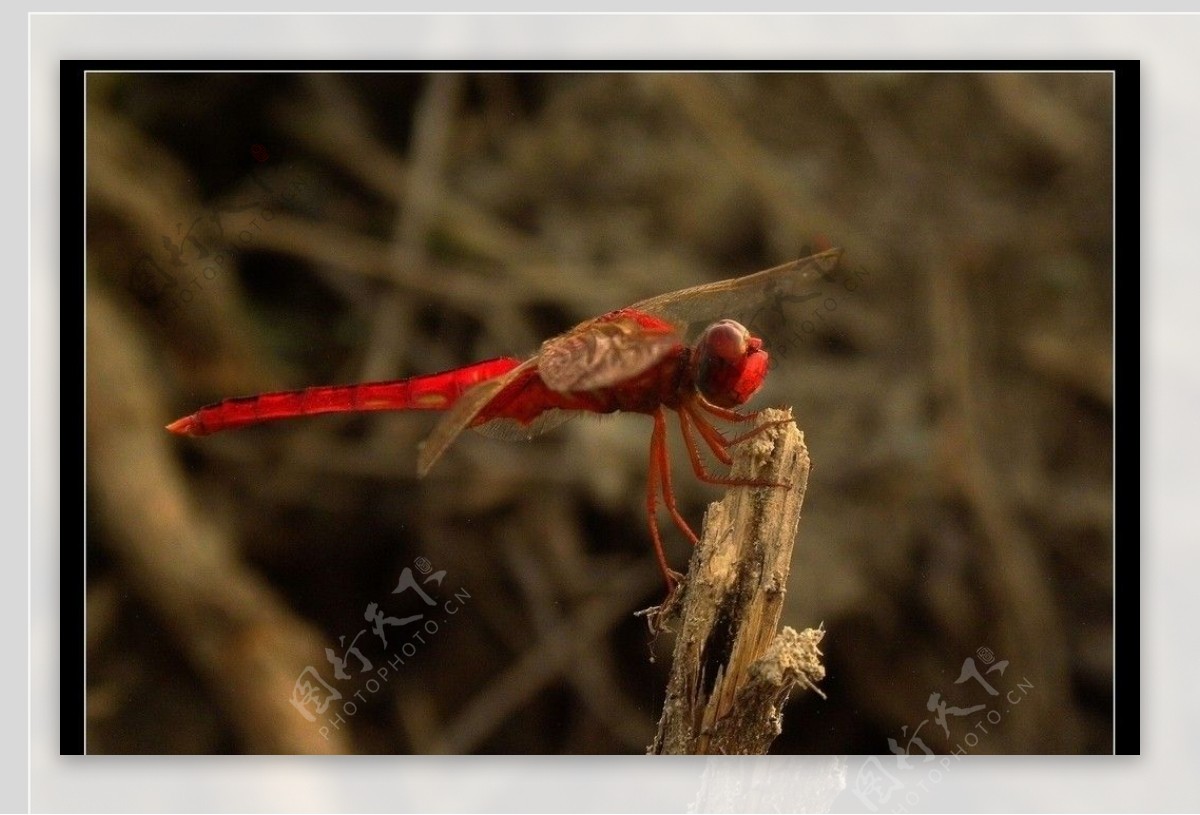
(732, 671)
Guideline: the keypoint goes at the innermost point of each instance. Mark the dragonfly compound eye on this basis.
(729, 365)
(725, 340)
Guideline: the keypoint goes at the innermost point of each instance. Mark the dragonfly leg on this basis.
(660, 473)
(712, 437)
(725, 413)
(739, 418)
(664, 465)
(759, 429)
(716, 442)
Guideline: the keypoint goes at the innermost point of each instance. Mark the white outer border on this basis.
(1166, 45)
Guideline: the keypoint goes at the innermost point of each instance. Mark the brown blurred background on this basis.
(256, 232)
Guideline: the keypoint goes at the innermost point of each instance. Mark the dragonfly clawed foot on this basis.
(674, 580)
(658, 616)
(759, 429)
(782, 485)
(756, 483)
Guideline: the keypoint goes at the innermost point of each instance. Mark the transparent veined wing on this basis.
(507, 429)
(462, 414)
(738, 297)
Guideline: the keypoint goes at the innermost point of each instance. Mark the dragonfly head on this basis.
(728, 365)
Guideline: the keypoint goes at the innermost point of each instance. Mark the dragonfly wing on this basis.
(512, 430)
(462, 414)
(739, 295)
(605, 351)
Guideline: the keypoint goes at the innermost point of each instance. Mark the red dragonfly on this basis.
(634, 359)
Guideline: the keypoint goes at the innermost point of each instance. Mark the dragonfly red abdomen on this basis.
(431, 392)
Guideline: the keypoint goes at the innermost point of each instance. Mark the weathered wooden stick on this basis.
(732, 670)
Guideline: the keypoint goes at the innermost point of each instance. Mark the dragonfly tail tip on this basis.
(187, 426)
